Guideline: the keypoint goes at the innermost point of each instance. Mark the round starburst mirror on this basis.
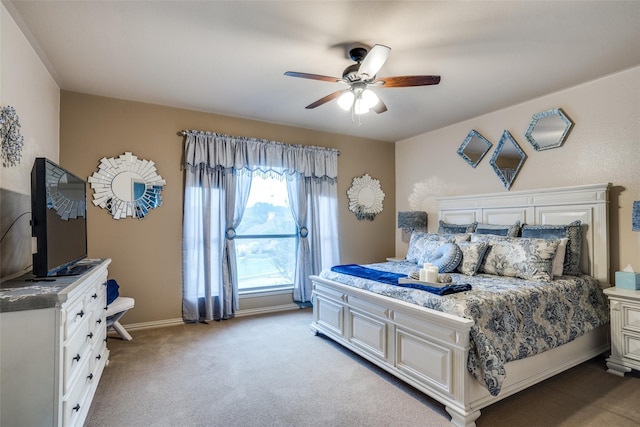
(365, 197)
(127, 186)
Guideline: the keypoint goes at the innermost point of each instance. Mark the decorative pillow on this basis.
(447, 228)
(458, 237)
(446, 257)
(558, 260)
(499, 230)
(530, 259)
(421, 244)
(472, 256)
(572, 231)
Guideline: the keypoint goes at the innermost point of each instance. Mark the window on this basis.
(267, 237)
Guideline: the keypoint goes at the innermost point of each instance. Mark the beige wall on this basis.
(603, 146)
(26, 85)
(146, 253)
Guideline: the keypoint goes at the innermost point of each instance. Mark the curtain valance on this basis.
(213, 150)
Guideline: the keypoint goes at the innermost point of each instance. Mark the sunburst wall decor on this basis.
(365, 197)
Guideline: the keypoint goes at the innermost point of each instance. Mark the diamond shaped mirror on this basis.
(507, 159)
(473, 148)
(548, 129)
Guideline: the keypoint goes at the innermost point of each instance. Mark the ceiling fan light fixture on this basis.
(345, 101)
(369, 98)
(360, 107)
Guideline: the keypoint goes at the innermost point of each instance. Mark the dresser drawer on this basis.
(74, 405)
(75, 315)
(75, 352)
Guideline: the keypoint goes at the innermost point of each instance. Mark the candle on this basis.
(427, 265)
(423, 275)
(432, 275)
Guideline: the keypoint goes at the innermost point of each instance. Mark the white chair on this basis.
(115, 311)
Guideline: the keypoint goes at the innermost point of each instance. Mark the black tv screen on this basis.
(58, 219)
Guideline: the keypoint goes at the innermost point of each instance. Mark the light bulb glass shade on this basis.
(345, 101)
(360, 107)
(369, 98)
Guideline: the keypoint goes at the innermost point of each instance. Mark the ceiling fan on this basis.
(360, 77)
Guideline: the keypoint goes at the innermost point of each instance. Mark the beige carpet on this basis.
(271, 371)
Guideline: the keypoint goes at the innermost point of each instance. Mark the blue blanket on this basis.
(392, 279)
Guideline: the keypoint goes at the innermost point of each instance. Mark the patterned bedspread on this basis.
(514, 318)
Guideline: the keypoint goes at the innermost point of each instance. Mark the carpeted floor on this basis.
(270, 370)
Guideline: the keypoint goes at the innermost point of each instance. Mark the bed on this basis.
(432, 349)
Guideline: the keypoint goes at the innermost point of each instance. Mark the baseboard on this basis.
(150, 325)
(179, 321)
(264, 310)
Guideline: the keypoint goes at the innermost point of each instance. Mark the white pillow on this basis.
(558, 260)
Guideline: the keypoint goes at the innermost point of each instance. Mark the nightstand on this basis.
(624, 309)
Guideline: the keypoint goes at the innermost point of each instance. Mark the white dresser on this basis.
(52, 347)
(625, 330)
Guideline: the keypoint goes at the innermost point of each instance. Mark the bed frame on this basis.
(428, 349)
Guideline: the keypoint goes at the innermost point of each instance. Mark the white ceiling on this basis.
(228, 57)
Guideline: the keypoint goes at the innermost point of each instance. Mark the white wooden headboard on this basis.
(587, 203)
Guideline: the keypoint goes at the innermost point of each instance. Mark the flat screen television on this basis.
(58, 220)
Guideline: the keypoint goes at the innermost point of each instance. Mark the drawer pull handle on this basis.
(77, 407)
(94, 296)
(77, 358)
(90, 377)
(80, 313)
(106, 307)
(98, 357)
(99, 321)
(90, 335)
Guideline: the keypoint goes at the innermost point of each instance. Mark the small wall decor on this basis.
(507, 159)
(127, 186)
(12, 140)
(474, 148)
(365, 197)
(548, 129)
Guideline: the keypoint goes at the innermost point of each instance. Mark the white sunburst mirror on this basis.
(365, 197)
(127, 186)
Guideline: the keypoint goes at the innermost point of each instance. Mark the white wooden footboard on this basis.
(425, 348)
(428, 349)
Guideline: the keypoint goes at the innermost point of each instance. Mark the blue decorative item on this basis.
(635, 216)
(412, 220)
(473, 148)
(507, 159)
(12, 140)
(548, 129)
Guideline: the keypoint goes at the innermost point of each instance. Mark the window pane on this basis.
(267, 210)
(265, 262)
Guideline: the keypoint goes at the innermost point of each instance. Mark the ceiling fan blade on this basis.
(312, 76)
(407, 81)
(380, 107)
(326, 99)
(374, 60)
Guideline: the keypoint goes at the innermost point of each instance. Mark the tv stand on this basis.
(54, 346)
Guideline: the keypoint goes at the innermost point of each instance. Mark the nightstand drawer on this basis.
(631, 348)
(631, 318)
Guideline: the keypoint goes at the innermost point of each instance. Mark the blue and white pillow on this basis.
(571, 231)
(446, 257)
(422, 244)
(526, 258)
(472, 257)
(447, 228)
(512, 230)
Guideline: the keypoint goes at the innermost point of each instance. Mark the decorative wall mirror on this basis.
(127, 186)
(507, 159)
(548, 129)
(365, 197)
(473, 148)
